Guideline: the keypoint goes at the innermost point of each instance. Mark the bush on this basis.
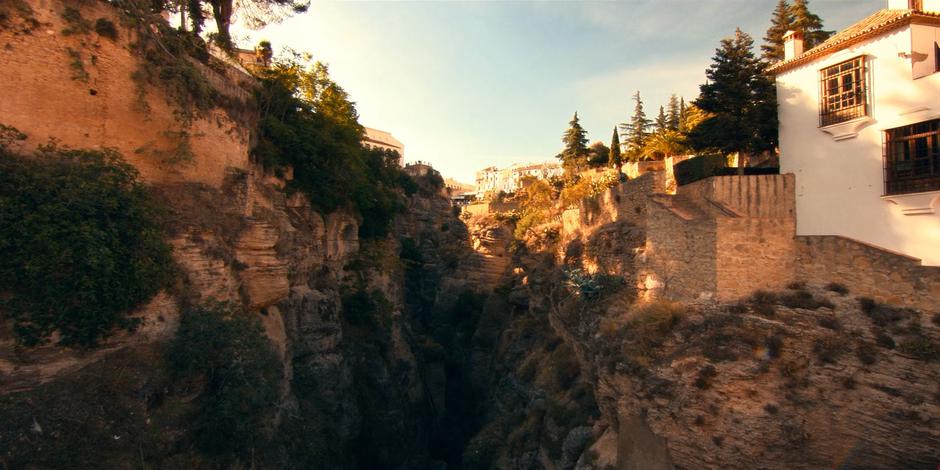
(694, 169)
(830, 322)
(830, 347)
(837, 288)
(883, 315)
(804, 299)
(80, 244)
(920, 347)
(883, 340)
(705, 376)
(105, 28)
(227, 351)
(866, 352)
(764, 303)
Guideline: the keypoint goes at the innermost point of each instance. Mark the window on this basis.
(843, 94)
(912, 158)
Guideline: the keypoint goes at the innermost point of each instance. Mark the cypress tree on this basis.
(614, 160)
(637, 129)
(661, 123)
(740, 100)
(574, 156)
(809, 24)
(780, 23)
(673, 113)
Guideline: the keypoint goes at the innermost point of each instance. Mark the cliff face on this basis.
(808, 375)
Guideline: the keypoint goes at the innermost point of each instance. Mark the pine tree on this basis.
(661, 123)
(780, 23)
(740, 100)
(637, 129)
(683, 111)
(574, 156)
(809, 24)
(673, 113)
(614, 160)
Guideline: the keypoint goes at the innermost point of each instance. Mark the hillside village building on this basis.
(494, 180)
(860, 129)
(376, 139)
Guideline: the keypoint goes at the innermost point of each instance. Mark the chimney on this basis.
(792, 44)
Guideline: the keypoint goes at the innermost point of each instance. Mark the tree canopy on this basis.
(740, 100)
(809, 24)
(796, 17)
(614, 159)
(574, 156)
(253, 13)
(780, 23)
(309, 124)
(637, 129)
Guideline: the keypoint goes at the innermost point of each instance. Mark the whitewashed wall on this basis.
(840, 183)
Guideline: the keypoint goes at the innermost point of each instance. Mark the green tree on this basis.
(740, 100)
(309, 123)
(809, 24)
(614, 159)
(574, 156)
(661, 123)
(253, 13)
(673, 113)
(780, 23)
(226, 349)
(637, 129)
(599, 154)
(664, 144)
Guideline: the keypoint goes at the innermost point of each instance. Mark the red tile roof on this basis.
(877, 24)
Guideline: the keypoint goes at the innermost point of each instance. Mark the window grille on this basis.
(843, 92)
(912, 158)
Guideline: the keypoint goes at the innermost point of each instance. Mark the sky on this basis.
(470, 84)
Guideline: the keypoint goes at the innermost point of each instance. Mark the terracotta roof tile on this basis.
(879, 22)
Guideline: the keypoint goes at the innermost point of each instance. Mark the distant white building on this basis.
(494, 180)
(860, 129)
(374, 138)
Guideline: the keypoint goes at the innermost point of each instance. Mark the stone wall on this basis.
(679, 258)
(753, 253)
(867, 271)
(77, 88)
(720, 238)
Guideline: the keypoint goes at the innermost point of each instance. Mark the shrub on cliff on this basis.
(309, 124)
(80, 246)
(226, 352)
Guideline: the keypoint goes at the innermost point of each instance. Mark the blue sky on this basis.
(467, 85)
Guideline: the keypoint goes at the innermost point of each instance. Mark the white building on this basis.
(860, 128)
(374, 138)
(494, 180)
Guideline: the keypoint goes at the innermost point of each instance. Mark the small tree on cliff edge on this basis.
(614, 160)
(574, 156)
(740, 100)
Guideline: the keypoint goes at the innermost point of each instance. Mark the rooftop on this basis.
(877, 24)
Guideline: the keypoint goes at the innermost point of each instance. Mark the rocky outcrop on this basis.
(490, 241)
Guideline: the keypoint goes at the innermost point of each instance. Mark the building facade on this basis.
(493, 180)
(376, 139)
(860, 129)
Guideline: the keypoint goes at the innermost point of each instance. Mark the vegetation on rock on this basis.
(309, 124)
(80, 244)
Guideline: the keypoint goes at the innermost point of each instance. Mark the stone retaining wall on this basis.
(867, 271)
(77, 89)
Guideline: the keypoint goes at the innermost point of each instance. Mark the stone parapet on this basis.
(867, 271)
